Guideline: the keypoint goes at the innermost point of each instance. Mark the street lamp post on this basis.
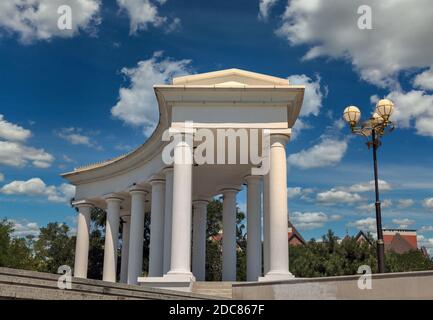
(373, 129)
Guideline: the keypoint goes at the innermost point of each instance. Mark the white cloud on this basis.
(413, 109)
(67, 159)
(426, 242)
(403, 223)
(264, 8)
(367, 224)
(371, 207)
(143, 13)
(424, 80)
(12, 132)
(17, 155)
(311, 220)
(31, 187)
(37, 187)
(313, 95)
(428, 203)
(313, 98)
(405, 203)
(37, 19)
(137, 104)
(298, 192)
(294, 192)
(425, 229)
(400, 38)
(173, 26)
(335, 196)
(23, 228)
(299, 125)
(14, 153)
(64, 193)
(369, 186)
(76, 137)
(328, 152)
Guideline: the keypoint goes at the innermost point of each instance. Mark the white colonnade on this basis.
(142, 182)
(174, 217)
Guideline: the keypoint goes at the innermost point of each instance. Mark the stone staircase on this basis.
(221, 289)
(22, 284)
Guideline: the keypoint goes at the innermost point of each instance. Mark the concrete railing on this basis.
(23, 284)
(405, 285)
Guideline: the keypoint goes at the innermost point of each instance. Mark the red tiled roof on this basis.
(399, 245)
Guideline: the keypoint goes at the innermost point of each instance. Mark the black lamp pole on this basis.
(378, 125)
(380, 243)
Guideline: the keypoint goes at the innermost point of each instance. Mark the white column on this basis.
(168, 208)
(199, 239)
(254, 228)
(111, 238)
(135, 256)
(180, 263)
(266, 224)
(229, 235)
(125, 248)
(82, 241)
(278, 212)
(156, 250)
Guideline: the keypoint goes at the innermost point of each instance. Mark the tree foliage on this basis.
(330, 257)
(53, 248)
(214, 243)
(410, 261)
(213, 246)
(14, 252)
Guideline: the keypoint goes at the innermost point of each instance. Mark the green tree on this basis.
(146, 243)
(14, 252)
(54, 247)
(241, 248)
(6, 229)
(213, 246)
(413, 260)
(96, 243)
(335, 258)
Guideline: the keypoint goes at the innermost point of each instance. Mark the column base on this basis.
(277, 276)
(173, 281)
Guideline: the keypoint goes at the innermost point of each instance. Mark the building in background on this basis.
(361, 238)
(295, 238)
(400, 240)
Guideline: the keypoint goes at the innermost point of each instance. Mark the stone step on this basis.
(22, 284)
(213, 284)
(213, 288)
(213, 293)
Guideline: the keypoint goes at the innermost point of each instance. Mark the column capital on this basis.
(166, 170)
(280, 135)
(136, 189)
(230, 190)
(284, 132)
(124, 213)
(112, 197)
(280, 139)
(156, 180)
(200, 203)
(82, 204)
(253, 179)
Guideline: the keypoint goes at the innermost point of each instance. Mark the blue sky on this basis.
(68, 97)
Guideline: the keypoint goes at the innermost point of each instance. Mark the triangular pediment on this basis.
(230, 78)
